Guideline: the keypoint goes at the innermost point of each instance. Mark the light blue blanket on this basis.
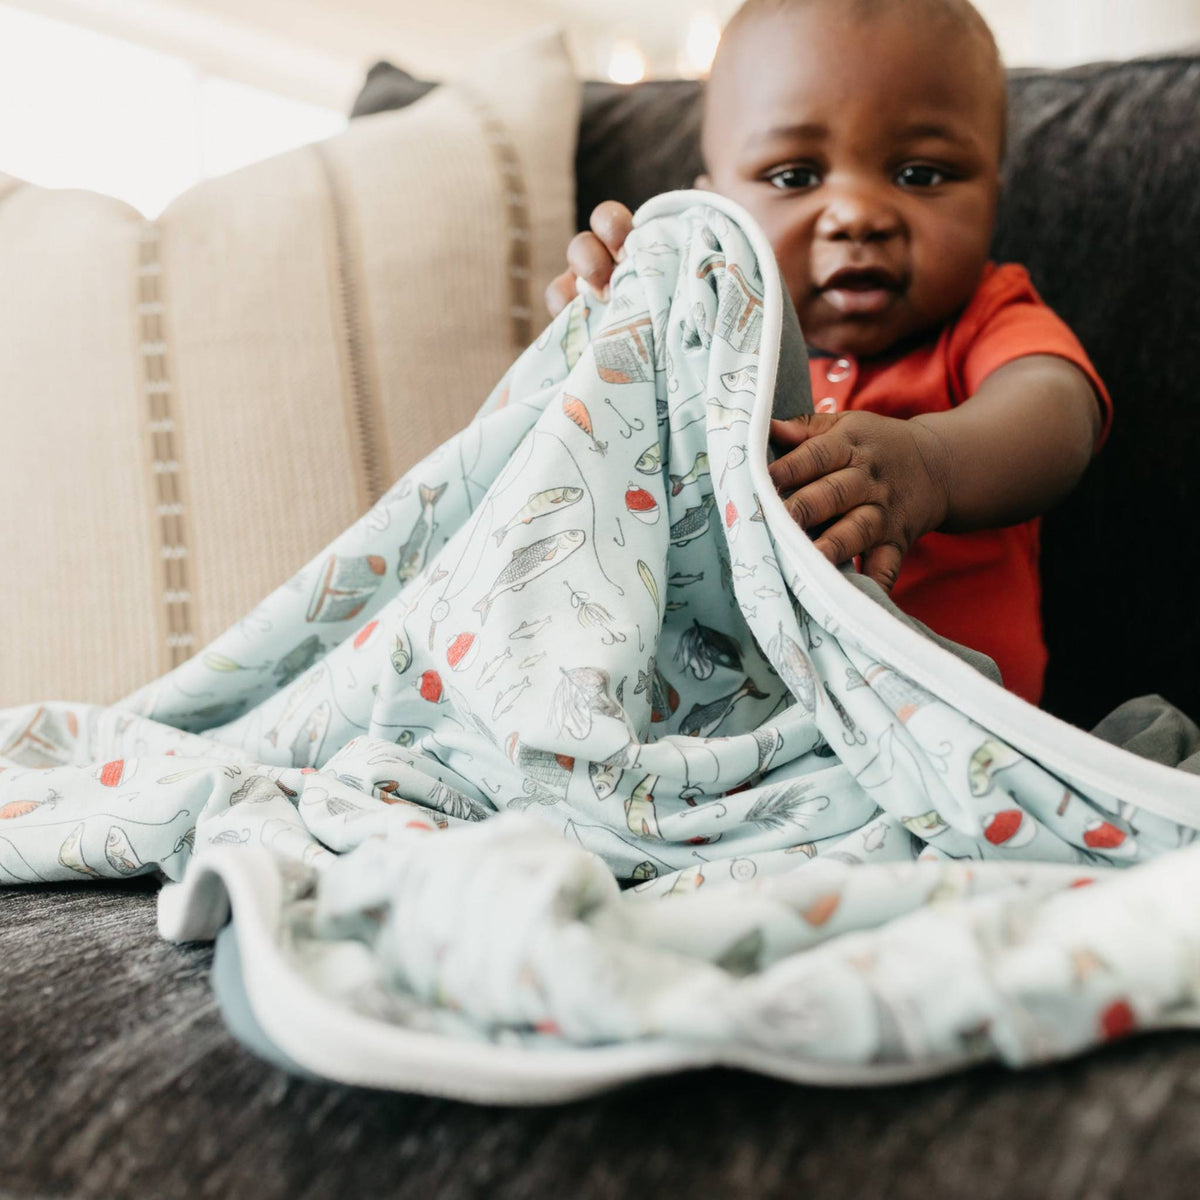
(579, 646)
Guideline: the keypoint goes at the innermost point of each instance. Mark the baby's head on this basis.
(865, 137)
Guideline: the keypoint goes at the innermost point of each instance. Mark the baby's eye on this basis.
(919, 175)
(794, 178)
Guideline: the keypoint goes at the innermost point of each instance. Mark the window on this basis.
(82, 109)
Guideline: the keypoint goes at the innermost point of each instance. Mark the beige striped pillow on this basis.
(191, 407)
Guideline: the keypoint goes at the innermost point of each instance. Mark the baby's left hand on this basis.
(888, 480)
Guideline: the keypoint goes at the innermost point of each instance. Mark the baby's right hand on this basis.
(591, 256)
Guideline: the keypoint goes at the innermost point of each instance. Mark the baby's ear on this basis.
(703, 183)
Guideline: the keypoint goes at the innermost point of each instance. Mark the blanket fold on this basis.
(572, 760)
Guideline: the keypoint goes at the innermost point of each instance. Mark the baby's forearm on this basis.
(1016, 447)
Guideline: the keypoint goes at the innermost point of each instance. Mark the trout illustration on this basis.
(414, 551)
(693, 523)
(528, 563)
(540, 504)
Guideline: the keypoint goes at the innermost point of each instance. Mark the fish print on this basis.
(723, 416)
(664, 699)
(639, 809)
(120, 853)
(413, 553)
(491, 668)
(508, 698)
(693, 523)
(297, 660)
(577, 411)
(528, 629)
(745, 380)
(306, 746)
(604, 777)
(528, 563)
(704, 719)
(701, 650)
(679, 579)
(650, 460)
(540, 504)
(698, 470)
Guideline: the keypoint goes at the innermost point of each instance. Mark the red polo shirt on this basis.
(983, 588)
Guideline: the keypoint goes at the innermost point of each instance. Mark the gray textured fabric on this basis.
(121, 1080)
(1154, 728)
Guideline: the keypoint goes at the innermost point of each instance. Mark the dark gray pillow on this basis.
(386, 87)
(1102, 204)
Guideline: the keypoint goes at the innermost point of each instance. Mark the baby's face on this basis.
(869, 152)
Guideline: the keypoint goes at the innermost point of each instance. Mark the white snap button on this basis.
(826, 404)
(838, 371)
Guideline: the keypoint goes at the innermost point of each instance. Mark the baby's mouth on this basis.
(861, 291)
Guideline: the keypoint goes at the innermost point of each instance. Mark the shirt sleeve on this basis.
(1012, 321)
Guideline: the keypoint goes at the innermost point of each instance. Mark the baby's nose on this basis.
(858, 216)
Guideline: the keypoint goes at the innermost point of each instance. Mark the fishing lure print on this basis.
(582, 694)
(576, 410)
(575, 334)
(594, 616)
(701, 650)
(642, 504)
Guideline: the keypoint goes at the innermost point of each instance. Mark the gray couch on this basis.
(119, 1078)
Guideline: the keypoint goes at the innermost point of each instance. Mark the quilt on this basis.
(572, 761)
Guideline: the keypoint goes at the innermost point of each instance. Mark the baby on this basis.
(952, 406)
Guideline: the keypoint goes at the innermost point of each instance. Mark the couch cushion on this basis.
(194, 406)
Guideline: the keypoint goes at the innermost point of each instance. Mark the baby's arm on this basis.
(1009, 453)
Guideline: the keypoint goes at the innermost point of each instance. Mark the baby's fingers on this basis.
(560, 292)
(591, 261)
(829, 497)
(882, 564)
(612, 222)
(856, 533)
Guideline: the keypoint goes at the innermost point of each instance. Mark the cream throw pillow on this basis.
(191, 407)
